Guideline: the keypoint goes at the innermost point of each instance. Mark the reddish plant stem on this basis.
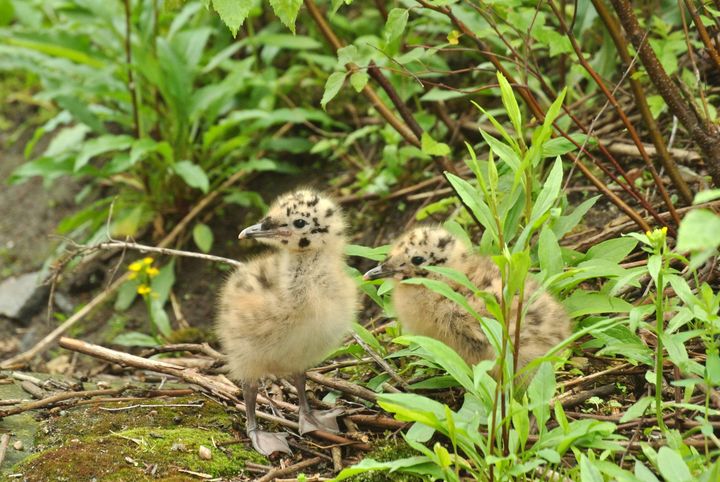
(372, 96)
(701, 132)
(641, 101)
(704, 35)
(621, 112)
(538, 112)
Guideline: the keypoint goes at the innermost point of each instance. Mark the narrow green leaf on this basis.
(636, 410)
(699, 230)
(510, 103)
(549, 193)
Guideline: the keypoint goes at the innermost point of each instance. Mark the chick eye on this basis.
(299, 223)
(417, 260)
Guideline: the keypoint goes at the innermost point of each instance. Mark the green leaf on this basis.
(643, 473)
(359, 80)
(160, 318)
(432, 147)
(699, 230)
(549, 193)
(192, 174)
(395, 25)
(135, 338)
(637, 409)
(540, 391)
(332, 87)
(584, 303)
(287, 11)
(101, 145)
(376, 254)
(233, 12)
(549, 254)
(471, 198)
(126, 295)
(203, 237)
(510, 103)
(612, 250)
(503, 151)
(163, 282)
(588, 472)
(444, 356)
(420, 463)
(706, 196)
(672, 466)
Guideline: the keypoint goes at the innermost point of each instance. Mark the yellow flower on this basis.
(152, 272)
(648, 233)
(148, 261)
(132, 275)
(144, 289)
(453, 37)
(136, 266)
(664, 229)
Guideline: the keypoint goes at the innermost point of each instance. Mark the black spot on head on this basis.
(444, 242)
(329, 212)
(284, 241)
(313, 201)
(268, 223)
(315, 221)
(320, 230)
(287, 212)
(304, 242)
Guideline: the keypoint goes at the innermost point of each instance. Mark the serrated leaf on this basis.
(395, 25)
(203, 237)
(192, 174)
(233, 12)
(332, 87)
(432, 147)
(287, 11)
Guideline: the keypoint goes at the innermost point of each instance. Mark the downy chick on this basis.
(282, 313)
(427, 313)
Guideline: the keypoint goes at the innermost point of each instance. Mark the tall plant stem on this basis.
(705, 135)
(131, 77)
(368, 91)
(641, 101)
(540, 115)
(659, 328)
(621, 112)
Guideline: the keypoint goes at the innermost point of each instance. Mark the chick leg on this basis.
(311, 420)
(264, 442)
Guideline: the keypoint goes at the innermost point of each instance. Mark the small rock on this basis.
(204, 453)
(178, 447)
(18, 445)
(22, 296)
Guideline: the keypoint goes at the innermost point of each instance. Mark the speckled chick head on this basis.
(301, 220)
(416, 249)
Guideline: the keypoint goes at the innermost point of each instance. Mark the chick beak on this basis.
(256, 231)
(379, 271)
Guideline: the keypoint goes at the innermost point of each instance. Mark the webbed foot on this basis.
(319, 420)
(268, 443)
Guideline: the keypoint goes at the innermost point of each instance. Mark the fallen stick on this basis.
(224, 391)
(4, 440)
(60, 397)
(291, 469)
(49, 340)
(343, 386)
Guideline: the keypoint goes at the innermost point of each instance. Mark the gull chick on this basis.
(427, 313)
(282, 313)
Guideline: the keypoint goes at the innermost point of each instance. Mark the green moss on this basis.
(137, 444)
(386, 449)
